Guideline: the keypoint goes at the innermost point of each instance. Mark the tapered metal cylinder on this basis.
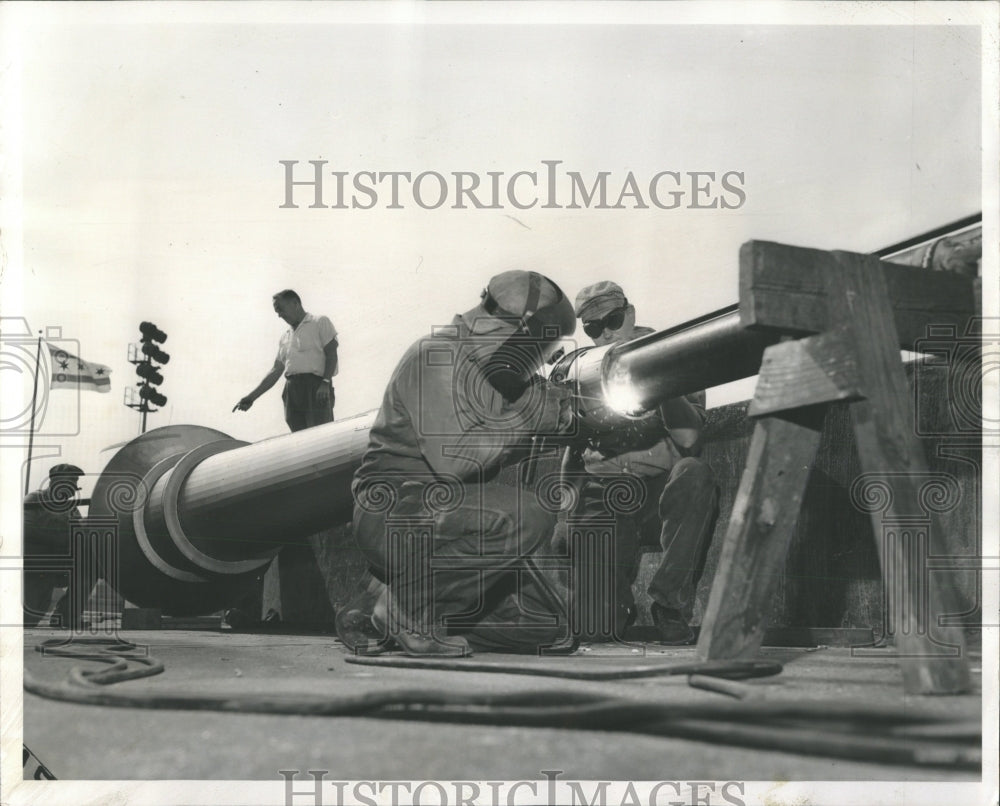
(237, 502)
(200, 515)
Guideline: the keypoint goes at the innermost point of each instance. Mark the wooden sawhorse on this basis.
(862, 311)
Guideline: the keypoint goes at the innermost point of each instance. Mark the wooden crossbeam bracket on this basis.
(785, 287)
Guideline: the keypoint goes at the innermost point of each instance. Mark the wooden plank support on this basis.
(785, 287)
(760, 530)
(866, 309)
(797, 379)
(806, 372)
(932, 655)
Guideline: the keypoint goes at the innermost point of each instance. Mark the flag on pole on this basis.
(70, 372)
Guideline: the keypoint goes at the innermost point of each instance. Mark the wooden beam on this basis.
(932, 656)
(760, 530)
(784, 287)
(805, 372)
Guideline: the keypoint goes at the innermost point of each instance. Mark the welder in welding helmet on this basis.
(458, 407)
(525, 314)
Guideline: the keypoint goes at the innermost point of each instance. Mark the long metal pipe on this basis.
(707, 352)
(613, 384)
(213, 508)
(225, 503)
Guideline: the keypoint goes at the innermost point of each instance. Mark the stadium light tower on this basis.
(143, 354)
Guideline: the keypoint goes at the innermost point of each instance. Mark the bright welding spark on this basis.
(621, 396)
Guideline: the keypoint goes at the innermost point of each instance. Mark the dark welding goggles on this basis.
(612, 321)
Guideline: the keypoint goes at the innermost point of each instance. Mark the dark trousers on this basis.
(677, 514)
(461, 560)
(40, 586)
(301, 407)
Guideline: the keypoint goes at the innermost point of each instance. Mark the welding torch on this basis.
(615, 387)
(606, 415)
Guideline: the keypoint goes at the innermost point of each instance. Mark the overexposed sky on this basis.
(152, 184)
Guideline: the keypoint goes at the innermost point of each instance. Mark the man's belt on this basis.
(306, 375)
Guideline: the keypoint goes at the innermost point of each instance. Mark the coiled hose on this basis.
(828, 728)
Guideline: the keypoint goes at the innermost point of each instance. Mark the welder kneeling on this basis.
(447, 543)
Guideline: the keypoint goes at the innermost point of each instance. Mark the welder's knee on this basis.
(697, 470)
(535, 525)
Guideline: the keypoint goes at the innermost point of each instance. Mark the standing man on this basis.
(448, 544)
(48, 516)
(307, 357)
(681, 497)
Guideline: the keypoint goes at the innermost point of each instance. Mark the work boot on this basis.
(671, 625)
(416, 639)
(235, 618)
(356, 626)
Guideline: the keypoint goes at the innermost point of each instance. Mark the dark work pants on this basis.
(79, 581)
(301, 409)
(678, 515)
(461, 561)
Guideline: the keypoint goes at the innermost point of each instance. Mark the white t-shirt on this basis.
(301, 348)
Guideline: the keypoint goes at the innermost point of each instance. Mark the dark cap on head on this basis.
(599, 299)
(65, 470)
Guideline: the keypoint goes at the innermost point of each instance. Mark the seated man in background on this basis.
(445, 540)
(680, 502)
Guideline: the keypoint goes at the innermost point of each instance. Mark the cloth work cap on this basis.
(599, 299)
(65, 470)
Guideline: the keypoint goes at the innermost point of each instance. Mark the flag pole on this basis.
(31, 430)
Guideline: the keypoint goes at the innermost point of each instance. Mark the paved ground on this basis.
(103, 742)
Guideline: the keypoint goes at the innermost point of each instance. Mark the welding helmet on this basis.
(535, 315)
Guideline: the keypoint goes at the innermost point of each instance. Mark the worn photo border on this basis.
(984, 15)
